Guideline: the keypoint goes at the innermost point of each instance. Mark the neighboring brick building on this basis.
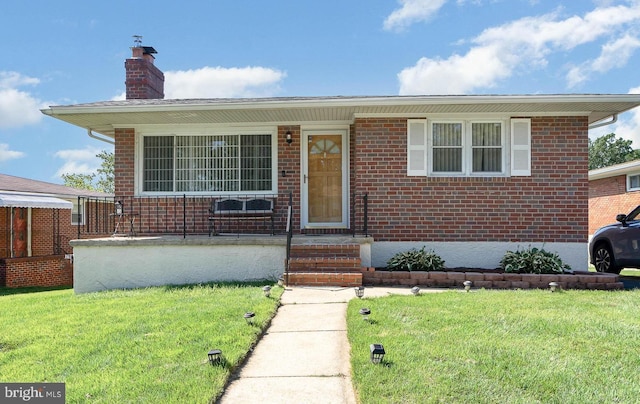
(468, 176)
(37, 221)
(613, 190)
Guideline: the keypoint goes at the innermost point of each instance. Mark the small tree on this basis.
(103, 180)
(608, 150)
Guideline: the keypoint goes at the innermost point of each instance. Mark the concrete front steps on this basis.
(325, 265)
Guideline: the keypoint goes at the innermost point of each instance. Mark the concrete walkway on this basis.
(304, 357)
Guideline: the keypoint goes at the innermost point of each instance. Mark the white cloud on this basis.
(412, 11)
(219, 82)
(17, 107)
(78, 161)
(6, 154)
(523, 44)
(613, 54)
(627, 127)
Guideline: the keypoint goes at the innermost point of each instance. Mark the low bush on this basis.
(416, 260)
(533, 261)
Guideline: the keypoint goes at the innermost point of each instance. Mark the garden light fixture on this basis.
(215, 357)
(249, 317)
(467, 285)
(415, 290)
(359, 291)
(267, 291)
(365, 313)
(553, 286)
(377, 353)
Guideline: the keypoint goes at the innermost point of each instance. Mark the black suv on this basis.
(617, 246)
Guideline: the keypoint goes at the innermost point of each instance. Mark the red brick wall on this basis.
(124, 168)
(143, 79)
(289, 161)
(36, 271)
(548, 206)
(607, 198)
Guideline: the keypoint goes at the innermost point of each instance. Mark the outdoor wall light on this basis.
(467, 285)
(249, 317)
(415, 290)
(365, 313)
(359, 291)
(118, 206)
(267, 291)
(553, 286)
(377, 353)
(288, 137)
(215, 357)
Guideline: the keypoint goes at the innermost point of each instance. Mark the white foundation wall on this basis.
(99, 268)
(484, 255)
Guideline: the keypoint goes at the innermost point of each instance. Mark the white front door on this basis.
(325, 173)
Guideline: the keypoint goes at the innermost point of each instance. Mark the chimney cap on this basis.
(148, 50)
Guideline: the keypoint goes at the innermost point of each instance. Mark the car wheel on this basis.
(603, 259)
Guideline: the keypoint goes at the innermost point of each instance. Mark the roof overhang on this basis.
(104, 117)
(631, 167)
(33, 201)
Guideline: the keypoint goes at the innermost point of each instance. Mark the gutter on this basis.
(106, 140)
(614, 119)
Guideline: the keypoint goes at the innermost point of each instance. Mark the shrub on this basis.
(533, 261)
(415, 260)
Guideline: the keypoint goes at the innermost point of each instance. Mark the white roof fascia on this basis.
(613, 171)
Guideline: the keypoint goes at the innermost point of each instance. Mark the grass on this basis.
(498, 347)
(144, 345)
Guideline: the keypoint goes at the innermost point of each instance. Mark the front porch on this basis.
(134, 262)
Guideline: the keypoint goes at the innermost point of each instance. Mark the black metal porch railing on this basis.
(191, 215)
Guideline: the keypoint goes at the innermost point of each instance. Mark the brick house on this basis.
(467, 176)
(613, 190)
(37, 221)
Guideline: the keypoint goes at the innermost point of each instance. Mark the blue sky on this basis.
(66, 52)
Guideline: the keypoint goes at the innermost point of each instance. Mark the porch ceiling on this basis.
(103, 117)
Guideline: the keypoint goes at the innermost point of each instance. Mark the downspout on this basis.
(614, 119)
(106, 140)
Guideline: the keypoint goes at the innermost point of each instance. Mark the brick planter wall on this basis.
(52, 270)
(491, 280)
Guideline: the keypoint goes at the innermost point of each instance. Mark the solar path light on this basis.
(249, 317)
(215, 357)
(359, 291)
(377, 353)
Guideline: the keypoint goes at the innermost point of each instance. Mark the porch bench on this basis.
(241, 208)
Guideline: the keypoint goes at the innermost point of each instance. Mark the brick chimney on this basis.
(144, 81)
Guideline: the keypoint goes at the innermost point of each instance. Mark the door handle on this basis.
(305, 178)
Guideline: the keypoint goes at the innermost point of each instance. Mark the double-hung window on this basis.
(468, 147)
(208, 163)
(633, 182)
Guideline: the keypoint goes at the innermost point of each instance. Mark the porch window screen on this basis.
(447, 147)
(208, 163)
(486, 145)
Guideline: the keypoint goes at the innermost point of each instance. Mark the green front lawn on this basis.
(498, 347)
(144, 345)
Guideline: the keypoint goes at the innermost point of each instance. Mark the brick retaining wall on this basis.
(52, 270)
(491, 280)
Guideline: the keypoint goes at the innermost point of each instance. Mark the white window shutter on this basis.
(521, 147)
(416, 147)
